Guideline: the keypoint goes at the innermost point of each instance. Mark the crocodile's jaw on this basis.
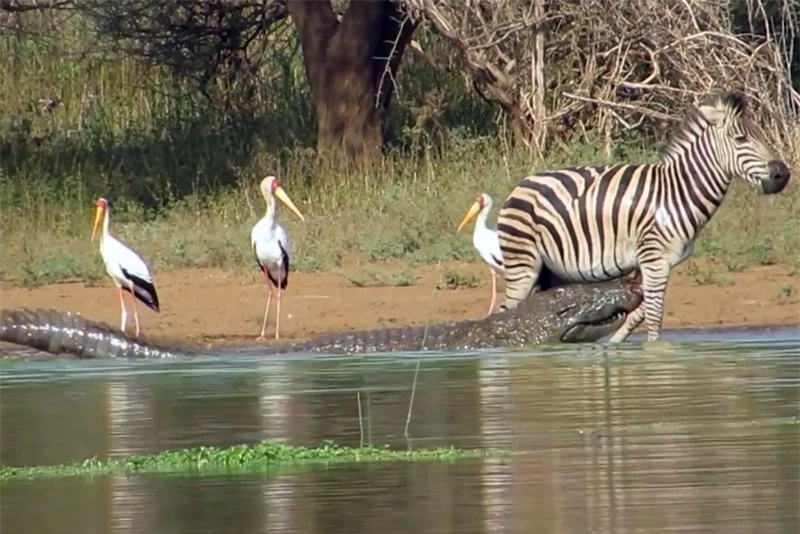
(603, 316)
(594, 329)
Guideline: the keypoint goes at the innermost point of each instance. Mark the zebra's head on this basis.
(742, 147)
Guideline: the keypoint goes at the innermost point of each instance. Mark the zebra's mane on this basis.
(695, 121)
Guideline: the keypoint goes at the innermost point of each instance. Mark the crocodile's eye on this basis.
(569, 308)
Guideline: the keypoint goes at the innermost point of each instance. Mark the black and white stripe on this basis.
(588, 224)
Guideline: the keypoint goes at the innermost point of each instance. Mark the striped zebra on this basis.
(588, 224)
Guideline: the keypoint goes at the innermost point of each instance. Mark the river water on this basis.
(698, 434)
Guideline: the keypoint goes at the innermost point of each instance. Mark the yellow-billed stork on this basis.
(485, 239)
(127, 269)
(272, 248)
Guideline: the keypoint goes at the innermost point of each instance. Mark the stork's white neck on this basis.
(483, 216)
(106, 224)
(269, 215)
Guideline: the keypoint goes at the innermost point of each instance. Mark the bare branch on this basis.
(612, 67)
(207, 42)
(491, 81)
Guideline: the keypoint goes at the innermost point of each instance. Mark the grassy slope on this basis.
(409, 213)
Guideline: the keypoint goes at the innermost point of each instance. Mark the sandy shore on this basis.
(217, 306)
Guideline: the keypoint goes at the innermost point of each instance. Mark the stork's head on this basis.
(271, 186)
(100, 209)
(481, 201)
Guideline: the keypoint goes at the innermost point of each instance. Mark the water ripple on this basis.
(689, 435)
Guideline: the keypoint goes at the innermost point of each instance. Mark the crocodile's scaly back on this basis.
(438, 336)
(544, 317)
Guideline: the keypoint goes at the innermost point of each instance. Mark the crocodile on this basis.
(569, 314)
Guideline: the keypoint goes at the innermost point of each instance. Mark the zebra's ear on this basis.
(713, 112)
(718, 107)
(735, 101)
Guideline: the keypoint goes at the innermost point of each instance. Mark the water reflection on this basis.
(130, 417)
(607, 441)
(494, 378)
(280, 506)
(275, 403)
(275, 409)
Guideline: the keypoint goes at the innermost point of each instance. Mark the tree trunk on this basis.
(350, 67)
(538, 111)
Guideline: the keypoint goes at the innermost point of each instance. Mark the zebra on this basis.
(588, 224)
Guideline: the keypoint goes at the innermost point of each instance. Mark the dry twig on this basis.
(610, 67)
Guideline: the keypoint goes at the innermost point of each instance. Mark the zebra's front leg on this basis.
(655, 275)
(633, 320)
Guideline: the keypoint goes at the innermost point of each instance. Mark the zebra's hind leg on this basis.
(520, 281)
(655, 275)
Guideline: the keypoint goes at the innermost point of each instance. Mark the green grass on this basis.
(408, 212)
(237, 458)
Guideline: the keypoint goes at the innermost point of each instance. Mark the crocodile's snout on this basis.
(606, 310)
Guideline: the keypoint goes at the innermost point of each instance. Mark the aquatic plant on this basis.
(237, 458)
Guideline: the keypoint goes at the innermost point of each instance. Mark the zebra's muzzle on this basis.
(778, 178)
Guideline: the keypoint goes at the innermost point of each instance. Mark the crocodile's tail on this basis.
(58, 331)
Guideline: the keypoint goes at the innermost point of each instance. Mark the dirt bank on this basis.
(218, 306)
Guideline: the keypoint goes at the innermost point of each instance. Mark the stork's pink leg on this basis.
(123, 312)
(266, 310)
(135, 313)
(278, 319)
(494, 291)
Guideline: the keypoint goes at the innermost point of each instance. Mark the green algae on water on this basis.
(236, 458)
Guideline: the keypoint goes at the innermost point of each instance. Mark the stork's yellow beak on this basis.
(283, 197)
(473, 211)
(98, 215)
